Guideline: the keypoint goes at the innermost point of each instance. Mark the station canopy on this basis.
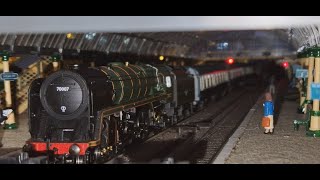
(203, 37)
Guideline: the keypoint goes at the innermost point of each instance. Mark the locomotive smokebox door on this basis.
(64, 95)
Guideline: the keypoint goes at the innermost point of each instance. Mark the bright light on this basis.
(222, 45)
(70, 36)
(285, 64)
(90, 36)
(230, 61)
(161, 58)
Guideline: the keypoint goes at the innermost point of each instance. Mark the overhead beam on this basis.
(18, 24)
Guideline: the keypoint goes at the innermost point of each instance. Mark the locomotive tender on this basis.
(86, 115)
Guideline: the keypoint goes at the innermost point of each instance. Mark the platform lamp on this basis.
(10, 122)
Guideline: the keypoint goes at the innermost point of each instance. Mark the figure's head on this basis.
(268, 96)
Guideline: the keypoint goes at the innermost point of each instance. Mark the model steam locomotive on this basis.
(86, 115)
